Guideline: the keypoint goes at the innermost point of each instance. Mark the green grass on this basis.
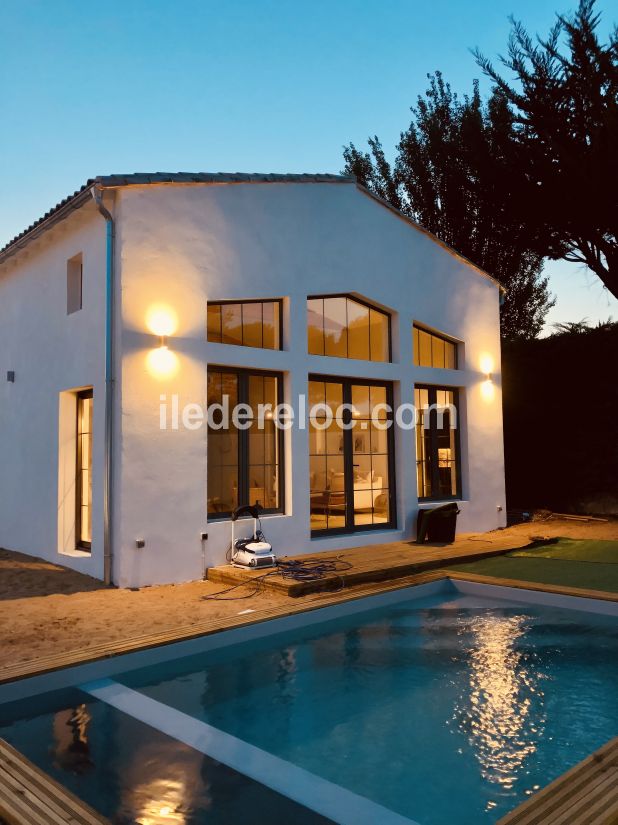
(591, 565)
(583, 550)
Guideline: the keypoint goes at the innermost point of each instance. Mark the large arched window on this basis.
(345, 327)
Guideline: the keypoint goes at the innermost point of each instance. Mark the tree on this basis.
(566, 127)
(561, 449)
(451, 175)
(581, 327)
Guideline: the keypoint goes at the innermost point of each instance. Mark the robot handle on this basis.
(252, 510)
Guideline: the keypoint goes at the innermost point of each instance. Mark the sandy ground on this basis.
(45, 608)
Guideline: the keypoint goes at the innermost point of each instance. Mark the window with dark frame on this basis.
(352, 483)
(245, 466)
(245, 323)
(346, 327)
(437, 443)
(83, 485)
(433, 350)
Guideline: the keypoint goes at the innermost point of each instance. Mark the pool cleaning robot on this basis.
(253, 551)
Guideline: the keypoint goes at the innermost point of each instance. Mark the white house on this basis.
(140, 299)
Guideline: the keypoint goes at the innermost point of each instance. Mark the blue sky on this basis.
(269, 86)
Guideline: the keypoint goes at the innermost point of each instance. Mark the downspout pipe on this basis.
(110, 237)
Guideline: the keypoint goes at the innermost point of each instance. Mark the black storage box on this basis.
(437, 524)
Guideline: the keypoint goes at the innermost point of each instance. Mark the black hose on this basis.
(299, 570)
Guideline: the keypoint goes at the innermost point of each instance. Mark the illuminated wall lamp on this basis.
(161, 362)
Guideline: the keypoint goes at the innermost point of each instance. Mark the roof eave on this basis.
(72, 203)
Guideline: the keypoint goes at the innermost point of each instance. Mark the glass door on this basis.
(350, 455)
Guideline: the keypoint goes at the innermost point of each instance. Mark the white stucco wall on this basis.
(182, 245)
(51, 352)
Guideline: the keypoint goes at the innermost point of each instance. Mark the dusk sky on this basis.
(229, 86)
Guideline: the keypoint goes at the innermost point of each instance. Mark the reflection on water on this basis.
(502, 712)
(160, 780)
(286, 675)
(71, 747)
(160, 802)
(163, 782)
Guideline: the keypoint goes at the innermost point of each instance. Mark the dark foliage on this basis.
(565, 178)
(560, 434)
(451, 175)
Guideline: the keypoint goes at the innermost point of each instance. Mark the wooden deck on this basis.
(585, 795)
(28, 796)
(375, 563)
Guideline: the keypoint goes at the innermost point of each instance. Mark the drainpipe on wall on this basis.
(109, 386)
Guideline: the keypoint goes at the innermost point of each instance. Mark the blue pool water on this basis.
(445, 710)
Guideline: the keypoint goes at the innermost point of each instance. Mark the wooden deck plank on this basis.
(373, 563)
(587, 794)
(13, 764)
(38, 810)
(589, 803)
(557, 799)
(28, 796)
(598, 784)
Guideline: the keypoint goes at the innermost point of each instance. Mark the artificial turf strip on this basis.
(586, 550)
(534, 564)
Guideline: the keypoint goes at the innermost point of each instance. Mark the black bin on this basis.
(437, 524)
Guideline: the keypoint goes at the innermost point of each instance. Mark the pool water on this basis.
(442, 710)
(136, 775)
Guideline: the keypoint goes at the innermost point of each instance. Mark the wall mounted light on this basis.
(488, 390)
(162, 362)
(162, 321)
(487, 365)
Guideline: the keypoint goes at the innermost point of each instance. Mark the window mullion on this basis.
(433, 443)
(243, 446)
(348, 460)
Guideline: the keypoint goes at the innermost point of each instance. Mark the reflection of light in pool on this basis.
(164, 805)
(497, 714)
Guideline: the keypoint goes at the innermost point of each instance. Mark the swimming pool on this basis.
(444, 703)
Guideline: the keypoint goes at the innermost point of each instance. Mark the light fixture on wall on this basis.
(162, 321)
(488, 390)
(487, 366)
